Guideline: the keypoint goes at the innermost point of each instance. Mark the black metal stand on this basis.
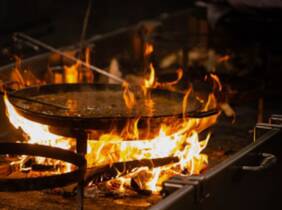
(41, 182)
(275, 121)
(81, 148)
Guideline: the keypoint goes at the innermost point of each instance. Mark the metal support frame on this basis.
(42, 182)
(177, 182)
(174, 188)
(275, 121)
(81, 148)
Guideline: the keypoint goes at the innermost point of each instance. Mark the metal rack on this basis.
(44, 182)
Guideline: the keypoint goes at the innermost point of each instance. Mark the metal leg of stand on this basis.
(81, 148)
(276, 119)
(80, 195)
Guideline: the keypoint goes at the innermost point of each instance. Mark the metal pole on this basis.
(81, 148)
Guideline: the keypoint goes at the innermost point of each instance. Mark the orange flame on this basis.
(37, 133)
(224, 58)
(149, 83)
(149, 49)
(174, 138)
(75, 73)
(87, 75)
(186, 147)
(130, 131)
(128, 96)
(169, 85)
(58, 78)
(16, 74)
(71, 73)
(185, 101)
(217, 81)
(179, 139)
(22, 77)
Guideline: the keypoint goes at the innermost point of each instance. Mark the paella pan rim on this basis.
(92, 122)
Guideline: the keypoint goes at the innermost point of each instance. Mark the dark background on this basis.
(63, 19)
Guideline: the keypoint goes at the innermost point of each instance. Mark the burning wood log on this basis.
(105, 173)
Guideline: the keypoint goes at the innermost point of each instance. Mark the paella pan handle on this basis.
(203, 114)
(268, 161)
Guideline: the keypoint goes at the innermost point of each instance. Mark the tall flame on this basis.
(149, 83)
(128, 96)
(185, 101)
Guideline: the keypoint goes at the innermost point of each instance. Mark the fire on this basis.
(16, 75)
(182, 142)
(175, 138)
(217, 81)
(185, 101)
(22, 77)
(149, 83)
(86, 75)
(37, 133)
(128, 96)
(71, 73)
(170, 85)
(178, 139)
(152, 183)
(76, 73)
(149, 49)
(130, 131)
(58, 78)
(224, 58)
